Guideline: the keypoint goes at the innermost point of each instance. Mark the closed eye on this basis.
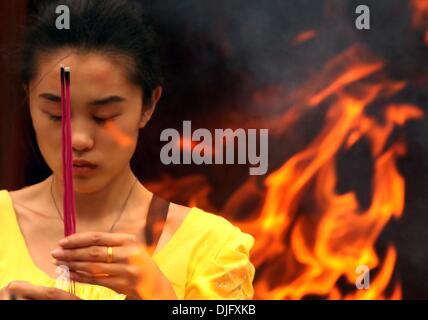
(55, 118)
(104, 119)
(98, 120)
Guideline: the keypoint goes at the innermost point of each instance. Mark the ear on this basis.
(149, 109)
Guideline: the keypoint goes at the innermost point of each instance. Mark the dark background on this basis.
(219, 54)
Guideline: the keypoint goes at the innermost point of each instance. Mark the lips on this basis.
(83, 168)
(80, 163)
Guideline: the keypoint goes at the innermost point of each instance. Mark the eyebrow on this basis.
(51, 97)
(94, 103)
(107, 100)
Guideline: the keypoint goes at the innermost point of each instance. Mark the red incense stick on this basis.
(67, 158)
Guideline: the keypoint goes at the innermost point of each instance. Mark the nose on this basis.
(81, 136)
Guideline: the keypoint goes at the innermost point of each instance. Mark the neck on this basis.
(101, 204)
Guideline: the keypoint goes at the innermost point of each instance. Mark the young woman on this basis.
(117, 252)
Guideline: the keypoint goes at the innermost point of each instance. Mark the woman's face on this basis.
(106, 115)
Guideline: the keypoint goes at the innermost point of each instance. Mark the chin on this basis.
(86, 184)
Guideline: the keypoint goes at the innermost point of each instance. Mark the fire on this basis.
(304, 36)
(420, 12)
(420, 16)
(310, 239)
(307, 253)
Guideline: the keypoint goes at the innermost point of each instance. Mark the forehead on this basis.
(90, 72)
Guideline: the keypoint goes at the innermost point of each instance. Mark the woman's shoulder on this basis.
(211, 220)
(202, 226)
(200, 219)
(25, 198)
(25, 195)
(4, 199)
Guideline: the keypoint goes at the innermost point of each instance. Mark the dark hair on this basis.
(116, 27)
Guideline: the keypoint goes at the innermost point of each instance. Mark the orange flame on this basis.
(303, 251)
(329, 242)
(304, 36)
(420, 13)
(420, 16)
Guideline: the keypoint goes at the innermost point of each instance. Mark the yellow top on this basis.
(206, 258)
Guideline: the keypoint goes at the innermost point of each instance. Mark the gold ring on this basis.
(109, 254)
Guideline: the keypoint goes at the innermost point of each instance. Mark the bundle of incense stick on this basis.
(67, 158)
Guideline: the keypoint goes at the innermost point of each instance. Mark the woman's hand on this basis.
(20, 290)
(131, 271)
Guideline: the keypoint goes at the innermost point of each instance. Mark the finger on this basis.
(87, 239)
(24, 290)
(96, 269)
(115, 283)
(45, 293)
(15, 290)
(5, 294)
(121, 285)
(15, 297)
(95, 254)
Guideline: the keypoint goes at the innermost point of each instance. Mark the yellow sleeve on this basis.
(227, 275)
